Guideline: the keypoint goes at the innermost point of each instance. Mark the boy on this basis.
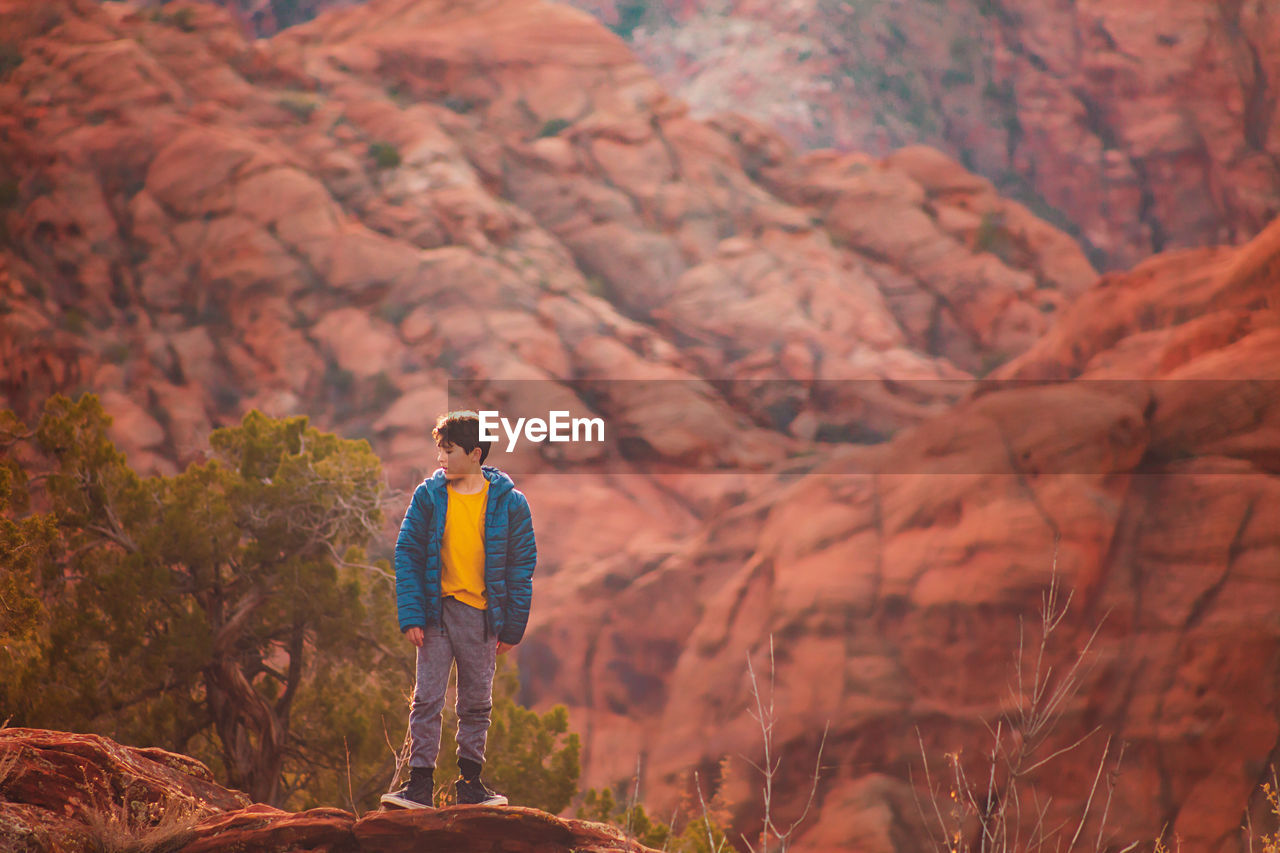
(464, 583)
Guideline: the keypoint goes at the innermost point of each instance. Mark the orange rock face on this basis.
(284, 225)
(1149, 126)
(1134, 448)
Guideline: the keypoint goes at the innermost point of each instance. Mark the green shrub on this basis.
(280, 512)
(118, 353)
(702, 835)
(385, 391)
(992, 236)
(75, 321)
(339, 379)
(184, 19)
(385, 155)
(630, 15)
(553, 127)
(299, 107)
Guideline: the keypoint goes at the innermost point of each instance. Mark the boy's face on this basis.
(456, 462)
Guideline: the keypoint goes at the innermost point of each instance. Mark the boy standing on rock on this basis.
(464, 583)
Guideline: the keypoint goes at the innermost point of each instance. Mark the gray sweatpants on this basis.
(462, 636)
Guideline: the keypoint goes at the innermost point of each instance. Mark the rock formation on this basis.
(1138, 128)
(1134, 447)
(413, 201)
(70, 793)
(226, 224)
(1147, 126)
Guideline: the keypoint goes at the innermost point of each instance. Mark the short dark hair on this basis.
(463, 429)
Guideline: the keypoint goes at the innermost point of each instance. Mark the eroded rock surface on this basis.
(1148, 125)
(360, 209)
(1133, 448)
(73, 793)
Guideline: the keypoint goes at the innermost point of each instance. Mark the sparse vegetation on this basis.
(10, 58)
(8, 193)
(75, 321)
(401, 96)
(117, 353)
(772, 835)
(553, 127)
(1269, 841)
(137, 827)
(385, 155)
(339, 380)
(183, 18)
(459, 104)
(299, 106)
(631, 13)
(704, 833)
(993, 236)
(395, 312)
(1001, 93)
(997, 809)
(9, 758)
(385, 391)
(597, 286)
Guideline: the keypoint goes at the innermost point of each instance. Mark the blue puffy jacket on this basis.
(510, 554)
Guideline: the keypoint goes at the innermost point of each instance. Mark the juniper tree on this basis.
(225, 611)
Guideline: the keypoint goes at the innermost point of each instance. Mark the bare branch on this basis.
(351, 795)
(635, 795)
(1111, 787)
(706, 819)
(942, 824)
(813, 788)
(1089, 801)
(1062, 751)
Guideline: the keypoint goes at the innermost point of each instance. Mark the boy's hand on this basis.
(415, 636)
(503, 648)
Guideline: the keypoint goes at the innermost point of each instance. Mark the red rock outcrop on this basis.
(70, 793)
(284, 224)
(1134, 446)
(1150, 126)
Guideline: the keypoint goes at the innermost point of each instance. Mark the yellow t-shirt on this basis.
(462, 551)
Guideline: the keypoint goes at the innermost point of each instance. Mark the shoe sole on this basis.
(498, 800)
(402, 803)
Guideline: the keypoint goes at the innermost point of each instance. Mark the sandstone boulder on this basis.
(79, 793)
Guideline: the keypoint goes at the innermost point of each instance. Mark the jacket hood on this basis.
(499, 482)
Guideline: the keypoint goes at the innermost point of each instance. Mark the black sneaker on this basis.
(415, 795)
(473, 792)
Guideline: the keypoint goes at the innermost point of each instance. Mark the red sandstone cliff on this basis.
(197, 224)
(894, 580)
(1150, 126)
(1140, 127)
